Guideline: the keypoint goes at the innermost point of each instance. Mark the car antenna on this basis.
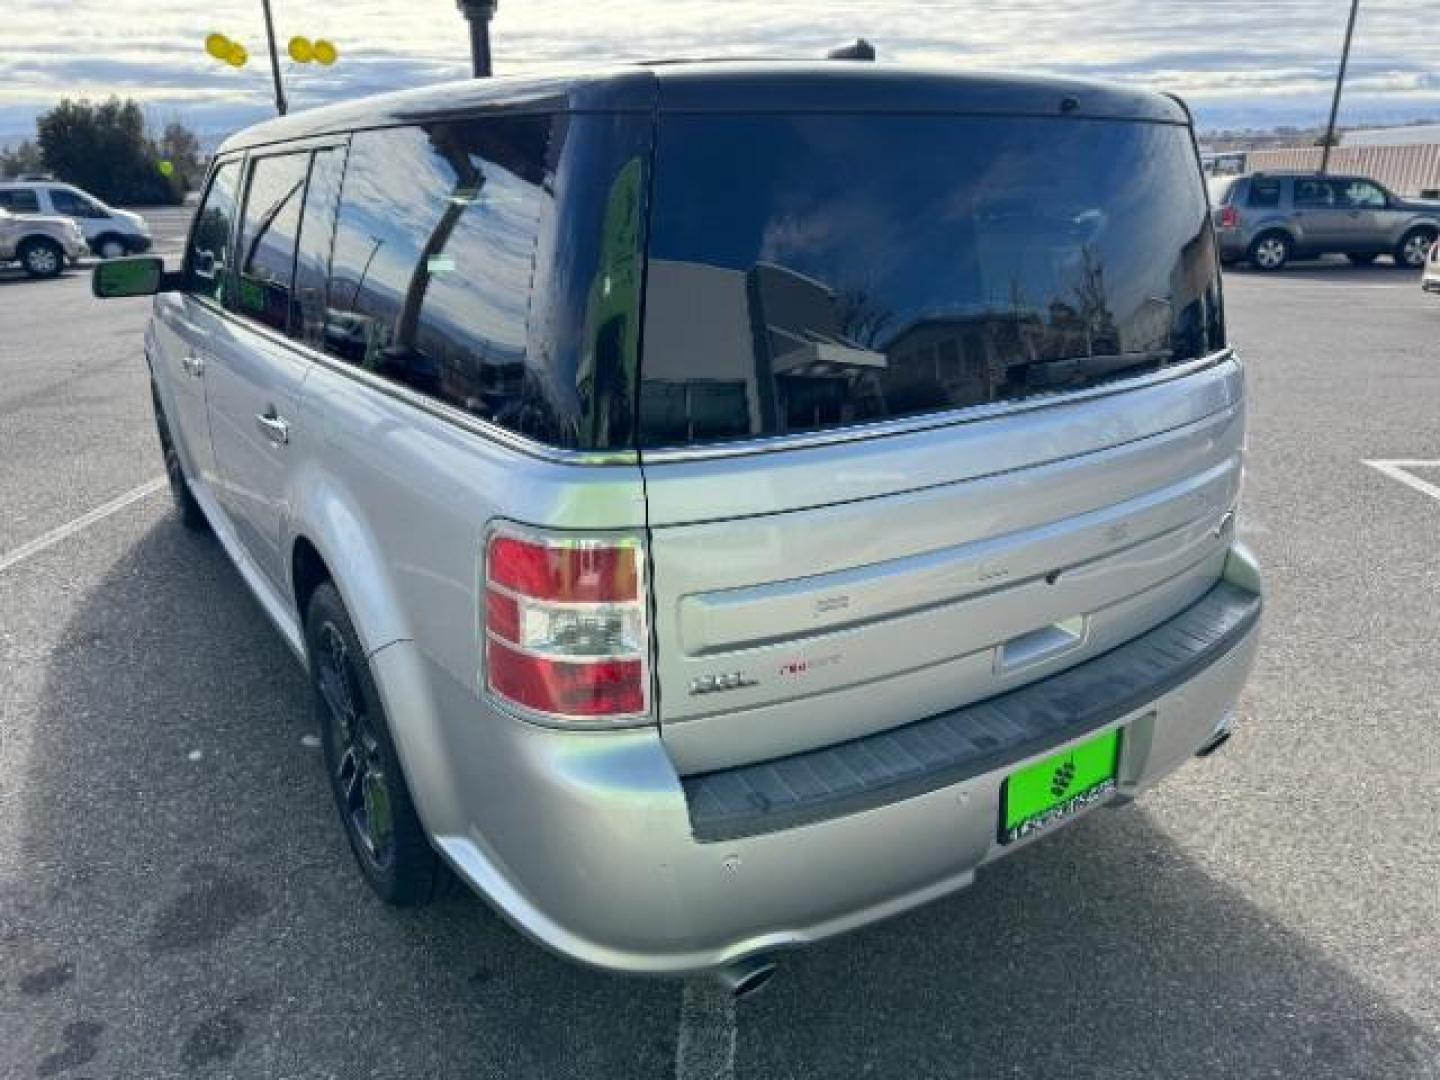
(860, 49)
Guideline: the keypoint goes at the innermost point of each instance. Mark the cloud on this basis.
(1236, 61)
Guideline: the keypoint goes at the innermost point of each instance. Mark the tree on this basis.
(102, 148)
(23, 160)
(179, 146)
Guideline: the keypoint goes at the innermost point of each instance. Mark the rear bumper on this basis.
(1431, 282)
(588, 842)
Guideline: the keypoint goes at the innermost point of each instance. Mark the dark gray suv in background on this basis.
(1268, 219)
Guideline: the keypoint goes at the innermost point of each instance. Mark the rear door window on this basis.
(267, 238)
(73, 204)
(1314, 193)
(808, 272)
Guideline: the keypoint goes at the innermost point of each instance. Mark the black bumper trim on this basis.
(946, 749)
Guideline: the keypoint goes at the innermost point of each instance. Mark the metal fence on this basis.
(1405, 170)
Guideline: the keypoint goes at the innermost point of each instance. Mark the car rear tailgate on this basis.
(819, 593)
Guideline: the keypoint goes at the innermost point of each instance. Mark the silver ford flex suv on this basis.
(719, 505)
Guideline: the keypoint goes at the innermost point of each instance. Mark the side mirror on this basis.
(140, 275)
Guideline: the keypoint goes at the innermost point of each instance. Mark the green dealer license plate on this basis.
(1052, 790)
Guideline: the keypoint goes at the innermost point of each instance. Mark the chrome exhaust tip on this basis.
(1215, 743)
(747, 976)
(1220, 736)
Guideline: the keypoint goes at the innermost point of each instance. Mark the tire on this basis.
(1270, 252)
(110, 247)
(42, 258)
(376, 810)
(191, 515)
(1414, 247)
(1363, 260)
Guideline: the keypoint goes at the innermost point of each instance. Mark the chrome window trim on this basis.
(475, 425)
(928, 421)
(740, 448)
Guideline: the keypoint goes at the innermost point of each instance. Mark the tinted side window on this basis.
(434, 255)
(267, 238)
(20, 201)
(1314, 193)
(72, 205)
(312, 259)
(208, 255)
(1264, 193)
(1361, 195)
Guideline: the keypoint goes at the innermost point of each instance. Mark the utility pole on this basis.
(479, 13)
(274, 59)
(1339, 85)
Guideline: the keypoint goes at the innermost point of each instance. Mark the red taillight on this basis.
(565, 628)
(1229, 218)
(577, 574)
(589, 691)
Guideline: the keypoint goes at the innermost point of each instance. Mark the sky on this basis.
(1239, 63)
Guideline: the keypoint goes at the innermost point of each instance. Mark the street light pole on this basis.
(1339, 85)
(274, 59)
(479, 13)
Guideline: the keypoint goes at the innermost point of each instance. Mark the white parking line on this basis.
(1399, 469)
(84, 521)
(705, 1045)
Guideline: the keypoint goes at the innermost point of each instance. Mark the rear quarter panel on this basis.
(397, 501)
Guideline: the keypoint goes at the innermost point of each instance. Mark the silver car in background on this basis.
(719, 505)
(1268, 219)
(43, 245)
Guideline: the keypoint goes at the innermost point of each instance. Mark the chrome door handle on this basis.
(193, 365)
(273, 427)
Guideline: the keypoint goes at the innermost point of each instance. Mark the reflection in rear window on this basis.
(809, 272)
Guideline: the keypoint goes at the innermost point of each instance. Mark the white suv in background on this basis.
(109, 232)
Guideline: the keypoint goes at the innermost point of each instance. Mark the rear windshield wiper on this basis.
(1085, 369)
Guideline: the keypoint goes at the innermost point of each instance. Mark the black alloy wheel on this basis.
(381, 823)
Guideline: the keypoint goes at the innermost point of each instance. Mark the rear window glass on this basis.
(809, 272)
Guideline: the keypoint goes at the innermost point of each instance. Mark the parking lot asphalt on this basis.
(176, 899)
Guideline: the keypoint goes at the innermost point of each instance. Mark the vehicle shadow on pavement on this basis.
(183, 915)
(13, 275)
(1099, 952)
(187, 905)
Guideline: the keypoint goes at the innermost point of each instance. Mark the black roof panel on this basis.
(858, 86)
(732, 86)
